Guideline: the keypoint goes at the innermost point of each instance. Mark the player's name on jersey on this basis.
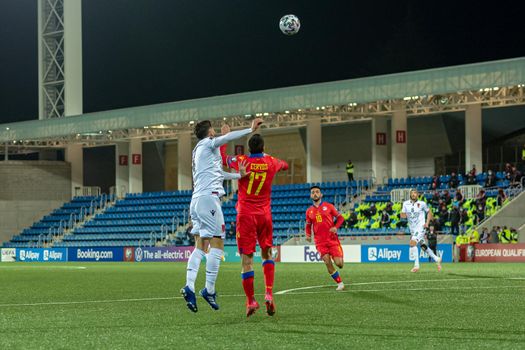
(255, 166)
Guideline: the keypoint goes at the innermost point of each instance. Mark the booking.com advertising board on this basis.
(400, 253)
(98, 254)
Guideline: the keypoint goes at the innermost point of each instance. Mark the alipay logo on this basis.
(372, 254)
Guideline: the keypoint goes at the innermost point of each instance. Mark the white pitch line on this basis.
(58, 303)
(391, 282)
(22, 267)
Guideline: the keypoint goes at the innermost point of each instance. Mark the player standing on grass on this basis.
(206, 211)
(414, 211)
(254, 217)
(320, 220)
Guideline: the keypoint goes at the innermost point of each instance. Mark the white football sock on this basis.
(194, 262)
(432, 255)
(414, 255)
(213, 261)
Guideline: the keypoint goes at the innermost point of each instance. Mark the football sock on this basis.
(336, 277)
(269, 273)
(247, 284)
(213, 261)
(414, 255)
(193, 268)
(432, 255)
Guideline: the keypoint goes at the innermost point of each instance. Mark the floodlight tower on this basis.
(59, 58)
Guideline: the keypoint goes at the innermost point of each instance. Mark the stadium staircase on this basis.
(511, 214)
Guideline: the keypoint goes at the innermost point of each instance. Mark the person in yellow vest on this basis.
(474, 236)
(350, 170)
(514, 236)
(505, 235)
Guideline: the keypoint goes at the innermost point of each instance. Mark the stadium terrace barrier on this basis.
(498, 252)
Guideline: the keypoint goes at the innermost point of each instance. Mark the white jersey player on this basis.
(205, 208)
(418, 216)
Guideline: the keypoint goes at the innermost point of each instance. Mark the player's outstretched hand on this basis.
(308, 238)
(333, 229)
(242, 168)
(256, 123)
(225, 128)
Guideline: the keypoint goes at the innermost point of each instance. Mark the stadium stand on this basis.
(58, 221)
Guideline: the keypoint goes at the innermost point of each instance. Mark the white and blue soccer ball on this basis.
(289, 24)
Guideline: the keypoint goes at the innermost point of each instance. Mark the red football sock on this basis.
(336, 277)
(269, 273)
(247, 284)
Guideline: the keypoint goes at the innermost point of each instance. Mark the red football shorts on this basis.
(252, 229)
(332, 247)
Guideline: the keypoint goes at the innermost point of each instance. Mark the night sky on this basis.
(139, 52)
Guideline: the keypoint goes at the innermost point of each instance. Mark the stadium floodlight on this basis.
(287, 112)
(7, 128)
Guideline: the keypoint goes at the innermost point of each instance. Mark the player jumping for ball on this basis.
(254, 217)
(414, 211)
(205, 209)
(320, 219)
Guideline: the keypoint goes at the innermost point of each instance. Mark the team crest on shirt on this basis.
(325, 208)
(418, 205)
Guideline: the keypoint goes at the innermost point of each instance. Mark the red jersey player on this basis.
(254, 217)
(320, 217)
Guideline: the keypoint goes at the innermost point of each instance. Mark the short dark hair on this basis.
(256, 144)
(315, 186)
(202, 129)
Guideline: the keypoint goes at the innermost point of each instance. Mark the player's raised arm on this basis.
(234, 135)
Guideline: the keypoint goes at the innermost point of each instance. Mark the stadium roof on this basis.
(409, 86)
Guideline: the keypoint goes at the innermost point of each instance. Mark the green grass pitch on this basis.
(138, 306)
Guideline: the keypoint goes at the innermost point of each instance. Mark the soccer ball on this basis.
(289, 24)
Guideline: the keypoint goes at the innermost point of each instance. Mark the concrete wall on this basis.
(427, 139)
(344, 142)
(30, 190)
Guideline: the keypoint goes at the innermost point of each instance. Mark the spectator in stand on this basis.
(491, 179)
(505, 236)
(515, 177)
(385, 219)
(484, 237)
(352, 219)
(514, 235)
(479, 214)
(435, 201)
(463, 218)
(481, 198)
(373, 210)
(454, 217)
(189, 236)
(502, 197)
(493, 236)
(434, 185)
(508, 171)
(471, 176)
(473, 236)
(389, 209)
(443, 216)
(454, 181)
(458, 198)
(445, 197)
